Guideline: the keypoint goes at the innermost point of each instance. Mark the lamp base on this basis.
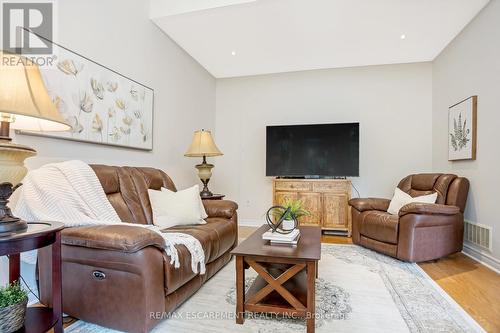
(12, 170)
(9, 227)
(205, 172)
(12, 158)
(8, 222)
(205, 193)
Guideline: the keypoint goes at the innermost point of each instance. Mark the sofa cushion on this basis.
(216, 238)
(127, 190)
(380, 226)
(427, 183)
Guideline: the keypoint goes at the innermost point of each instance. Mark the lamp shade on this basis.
(203, 145)
(24, 100)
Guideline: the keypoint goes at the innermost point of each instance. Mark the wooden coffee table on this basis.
(286, 276)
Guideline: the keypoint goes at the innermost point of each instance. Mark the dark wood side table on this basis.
(38, 235)
(214, 197)
(286, 276)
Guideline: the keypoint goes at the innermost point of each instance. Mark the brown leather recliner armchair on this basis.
(421, 231)
(119, 276)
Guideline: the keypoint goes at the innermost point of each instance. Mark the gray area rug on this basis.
(358, 291)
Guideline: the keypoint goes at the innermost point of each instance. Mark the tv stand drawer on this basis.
(331, 186)
(291, 185)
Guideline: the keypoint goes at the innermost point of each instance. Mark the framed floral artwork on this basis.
(462, 130)
(102, 105)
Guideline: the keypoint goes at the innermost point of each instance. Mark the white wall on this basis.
(470, 65)
(119, 35)
(392, 103)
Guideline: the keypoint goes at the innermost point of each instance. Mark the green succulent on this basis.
(296, 210)
(12, 294)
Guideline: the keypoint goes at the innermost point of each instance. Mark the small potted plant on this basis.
(294, 211)
(13, 303)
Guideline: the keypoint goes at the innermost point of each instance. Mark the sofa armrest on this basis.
(220, 208)
(428, 209)
(364, 204)
(121, 238)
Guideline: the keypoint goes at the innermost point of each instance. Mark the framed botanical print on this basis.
(462, 130)
(102, 105)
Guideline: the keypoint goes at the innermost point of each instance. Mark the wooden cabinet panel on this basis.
(280, 197)
(326, 199)
(312, 203)
(335, 210)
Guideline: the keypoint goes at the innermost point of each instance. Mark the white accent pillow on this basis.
(176, 208)
(196, 188)
(401, 199)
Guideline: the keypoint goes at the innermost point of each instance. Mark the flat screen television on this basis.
(324, 150)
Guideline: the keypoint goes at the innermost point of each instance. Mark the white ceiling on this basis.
(272, 36)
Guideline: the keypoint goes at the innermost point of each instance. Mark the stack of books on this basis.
(277, 238)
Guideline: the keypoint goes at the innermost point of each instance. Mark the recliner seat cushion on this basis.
(380, 226)
(216, 238)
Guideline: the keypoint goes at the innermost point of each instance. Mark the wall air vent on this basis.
(478, 235)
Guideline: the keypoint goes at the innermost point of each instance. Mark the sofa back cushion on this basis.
(450, 189)
(127, 190)
(427, 183)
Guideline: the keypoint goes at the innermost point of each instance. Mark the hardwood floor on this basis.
(472, 285)
(244, 232)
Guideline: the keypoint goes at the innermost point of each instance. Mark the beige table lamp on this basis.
(24, 104)
(203, 145)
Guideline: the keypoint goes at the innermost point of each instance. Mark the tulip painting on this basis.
(69, 67)
(86, 103)
(98, 88)
(111, 86)
(101, 105)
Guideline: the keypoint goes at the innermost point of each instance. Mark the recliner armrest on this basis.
(122, 238)
(428, 209)
(364, 204)
(220, 208)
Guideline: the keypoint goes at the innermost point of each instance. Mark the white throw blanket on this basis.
(70, 192)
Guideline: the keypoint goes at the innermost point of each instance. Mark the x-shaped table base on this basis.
(292, 295)
(276, 284)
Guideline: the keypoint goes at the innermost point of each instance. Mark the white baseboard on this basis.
(483, 257)
(250, 222)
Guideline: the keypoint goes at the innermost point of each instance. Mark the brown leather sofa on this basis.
(421, 231)
(119, 276)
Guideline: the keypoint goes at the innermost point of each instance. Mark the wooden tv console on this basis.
(326, 199)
